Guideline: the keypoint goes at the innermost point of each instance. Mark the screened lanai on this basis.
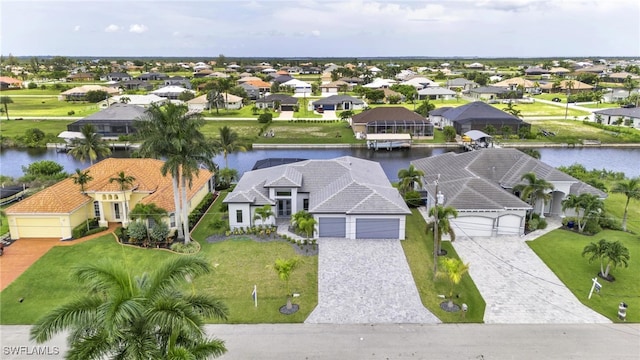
(413, 127)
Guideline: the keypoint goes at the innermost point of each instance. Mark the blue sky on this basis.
(308, 28)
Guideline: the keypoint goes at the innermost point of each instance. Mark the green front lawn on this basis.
(48, 106)
(542, 109)
(561, 250)
(15, 128)
(418, 249)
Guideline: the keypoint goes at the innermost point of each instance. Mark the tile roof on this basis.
(343, 185)
(64, 196)
(116, 112)
(393, 113)
(338, 99)
(477, 180)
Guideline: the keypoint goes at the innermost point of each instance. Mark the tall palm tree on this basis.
(174, 133)
(590, 205)
(124, 182)
(225, 84)
(227, 143)
(444, 213)
(82, 178)
(629, 84)
(534, 190)
(409, 178)
(631, 189)
(90, 146)
(5, 101)
(147, 317)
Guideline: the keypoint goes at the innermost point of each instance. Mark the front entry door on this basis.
(116, 211)
(284, 207)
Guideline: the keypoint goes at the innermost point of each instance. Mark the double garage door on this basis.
(39, 227)
(365, 228)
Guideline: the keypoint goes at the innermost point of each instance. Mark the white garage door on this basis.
(509, 224)
(48, 227)
(332, 227)
(473, 226)
(377, 228)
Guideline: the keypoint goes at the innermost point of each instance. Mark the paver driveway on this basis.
(366, 282)
(517, 286)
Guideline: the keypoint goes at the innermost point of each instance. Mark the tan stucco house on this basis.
(56, 210)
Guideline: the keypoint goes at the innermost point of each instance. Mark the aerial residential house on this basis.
(628, 117)
(616, 95)
(435, 115)
(152, 76)
(201, 103)
(391, 120)
(566, 86)
(263, 86)
(81, 76)
(333, 87)
(479, 185)
(7, 83)
(245, 79)
(56, 210)
(338, 102)
(278, 102)
(113, 121)
(436, 93)
(79, 93)
(380, 83)
(559, 71)
(347, 196)
(477, 116)
(144, 101)
(419, 82)
(300, 88)
(489, 93)
(519, 84)
(535, 70)
(474, 66)
(178, 81)
(133, 85)
(620, 77)
(461, 84)
(171, 92)
(252, 91)
(118, 76)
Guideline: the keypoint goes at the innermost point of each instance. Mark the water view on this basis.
(614, 159)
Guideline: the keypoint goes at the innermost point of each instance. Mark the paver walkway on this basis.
(20, 255)
(366, 282)
(517, 285)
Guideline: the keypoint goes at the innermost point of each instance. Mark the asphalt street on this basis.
(411, 341)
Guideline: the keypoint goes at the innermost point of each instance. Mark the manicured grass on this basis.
(14, 128)
(50, 106)
(541, 109)
(551, 96)
(561, 251)
(48, 91)
(418, 248)
(601, 106)
(244, 112)
(614, 205)
(239, 264)
(573, 132)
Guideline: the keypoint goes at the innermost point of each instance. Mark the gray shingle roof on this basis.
(338, 99)
(283, 98)
(117, 112)
(396, 113)
(345, 185)
(478, 110)
(631, 112)
(477, 180)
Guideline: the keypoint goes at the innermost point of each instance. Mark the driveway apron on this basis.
(516, 284)
(366, 282)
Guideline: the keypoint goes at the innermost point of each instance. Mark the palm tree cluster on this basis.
(533, 190)
(173, 133)
(586, 206)
(607, 252)
(90, 146)
(146, 317)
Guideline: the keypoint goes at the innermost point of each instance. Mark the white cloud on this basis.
(138, 28)
(315, 32)
(252, 5)
(112, 28)
(76, 28)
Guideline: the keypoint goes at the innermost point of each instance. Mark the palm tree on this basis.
(147, 317)
(308, 225)
(534, 190)
(214, 97)
(629, 84)
(596, 251)
(615, 254)
(228, 143)
(227, 176)
(631, 189)
(263, 214)
(300, 218)
(409, 178)
(81, 178)
(90, 145)
(226, 84)
(284, 268)
(174, 133)
(453, 270)
(146, 212)
(124, 181)
(511, 109)
(444, 225)
(5, 101)
(533, 153)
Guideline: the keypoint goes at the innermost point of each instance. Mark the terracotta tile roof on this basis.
(65, 196)
(259, 83)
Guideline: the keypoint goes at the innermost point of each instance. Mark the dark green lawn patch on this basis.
(561, 250)
(418, 248)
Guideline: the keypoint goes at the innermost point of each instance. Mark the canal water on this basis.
(625, 160)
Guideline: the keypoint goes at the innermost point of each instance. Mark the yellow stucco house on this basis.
(56, 210)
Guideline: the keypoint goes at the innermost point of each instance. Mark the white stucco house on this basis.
(347, 196)
(629, 117)
(479, 185)
(300, 88)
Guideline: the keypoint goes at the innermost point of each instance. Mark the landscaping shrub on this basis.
(197, 213)
(71, 112)
(265, 118)
(122, 234)
(190, 248)
(81, 230)
(413, 199)
(159, 232)
(137, 231)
